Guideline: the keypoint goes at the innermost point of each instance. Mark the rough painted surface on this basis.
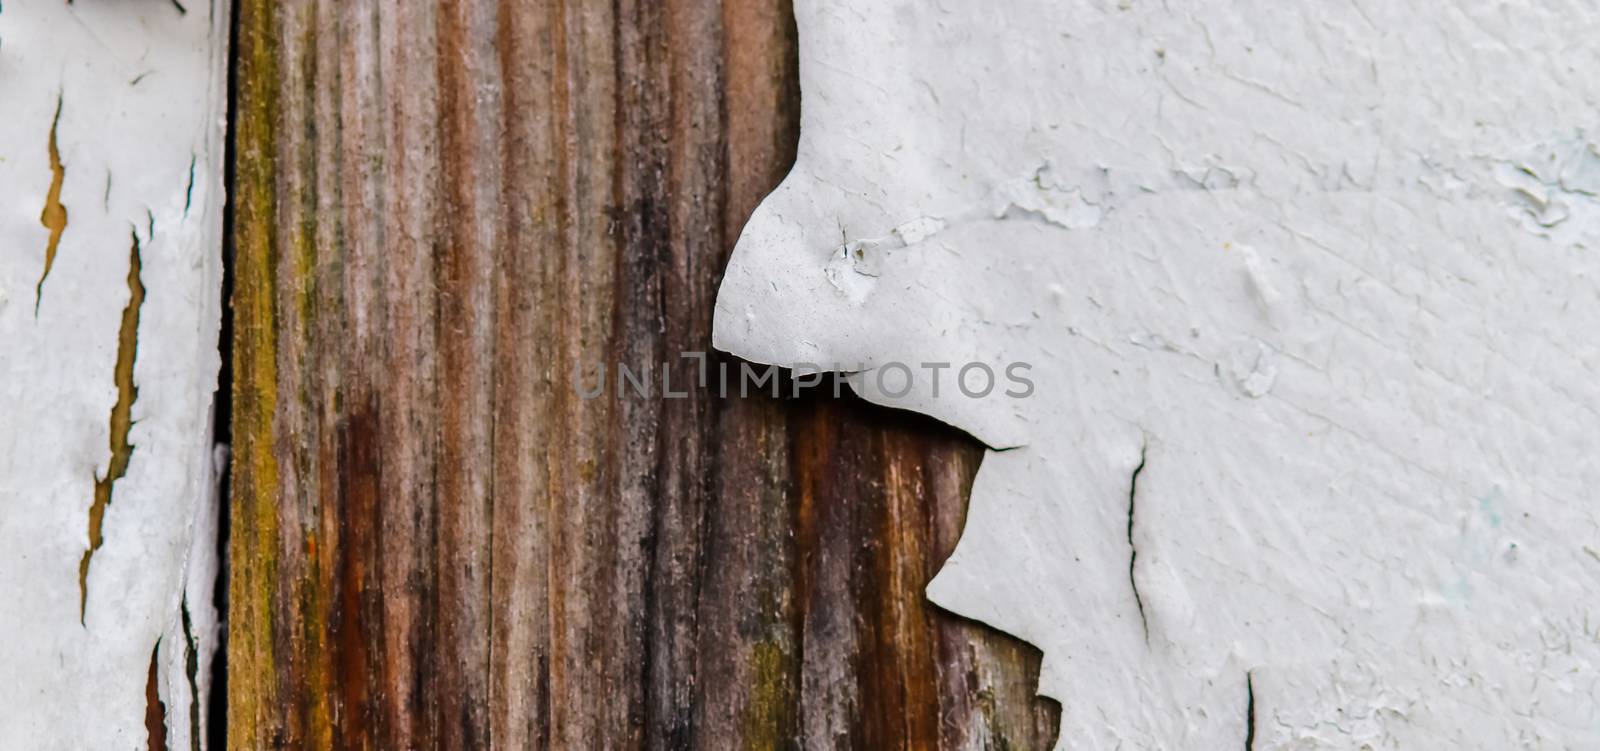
(441, 209)
(110, 227)
(1309, 294)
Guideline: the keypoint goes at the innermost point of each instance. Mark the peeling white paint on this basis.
(141, 90)
(1324, 275)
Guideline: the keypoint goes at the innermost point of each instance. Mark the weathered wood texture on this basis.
(440, 209)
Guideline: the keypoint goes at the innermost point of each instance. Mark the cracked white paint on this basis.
(141, 89)
(1329, 270)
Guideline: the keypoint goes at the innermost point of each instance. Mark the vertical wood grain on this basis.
(439, 209)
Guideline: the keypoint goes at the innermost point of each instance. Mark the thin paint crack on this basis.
(1133, 550)
(1249, 711)
(54, 214)
(182, 11)
(191, 669)
(121, 422)
(188, 192)
(155, 710)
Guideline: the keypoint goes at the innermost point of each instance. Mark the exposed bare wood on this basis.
(54, 215)
(440, 209)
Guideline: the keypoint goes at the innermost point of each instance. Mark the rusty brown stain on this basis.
(121, 423)
(54, 214)
(356, 617)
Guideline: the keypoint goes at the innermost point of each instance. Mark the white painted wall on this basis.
(1309, 291)
(133, 92)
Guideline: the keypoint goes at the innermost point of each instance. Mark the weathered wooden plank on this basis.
(441, 210)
